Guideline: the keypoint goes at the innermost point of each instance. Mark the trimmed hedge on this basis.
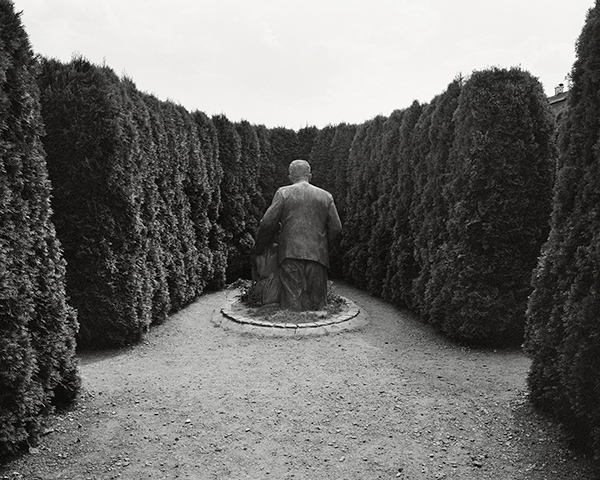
(499, 201)
(328, 159)
(93, 160)
(360, 199)
(153, 204)
(563, 332)
(429, 213)
(38, 368)
(137, 200)
(401, 267)
(445, 205)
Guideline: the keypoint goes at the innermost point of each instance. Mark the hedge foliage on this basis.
(137, 200)
(153, 204)
(499, 201)
(563, 331)
(38, 368)
(445, 205)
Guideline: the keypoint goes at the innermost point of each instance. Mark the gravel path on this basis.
(391, 400)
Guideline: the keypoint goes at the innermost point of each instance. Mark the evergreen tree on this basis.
(337, 179)
(210, 237)
(341, 176)
(154, 286)
(253, 203)
(320, 158)
(563, 333)
(499, 202)
(232, 216)
(38, 368)
(154, 210)
(179, 139)
(268, 167)
(402, 268)
(430, 212)
(422, 173)
(381, 237)
(363, 168)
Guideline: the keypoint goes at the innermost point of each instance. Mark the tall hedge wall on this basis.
(137, 199)
(38, 369)
(401, 268)
(499, 201)
(445, 205)
(153, 203)
(329, 162)
(361, 194)
(563, 331)
(429, 212)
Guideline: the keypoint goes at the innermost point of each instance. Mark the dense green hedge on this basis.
(400, 266)
(329, 162)
(499, 201)
(563, 328)
(445, 205)
(153, 203)
(38, 369)
(137, 200)
(429, 213)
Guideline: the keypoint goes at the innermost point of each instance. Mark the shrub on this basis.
(429, 212)
(38, 369)
(563, 333)
(402, 268)
(93, 160)
(363, 167)
(498, 202)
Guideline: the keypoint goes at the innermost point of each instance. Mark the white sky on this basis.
(294, 63)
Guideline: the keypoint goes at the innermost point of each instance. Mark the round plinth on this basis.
(237, 317)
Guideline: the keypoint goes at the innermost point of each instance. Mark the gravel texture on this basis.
(389, 399)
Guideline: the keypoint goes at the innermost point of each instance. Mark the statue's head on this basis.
(299, 171)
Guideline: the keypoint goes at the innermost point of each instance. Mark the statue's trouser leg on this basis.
(303, 285)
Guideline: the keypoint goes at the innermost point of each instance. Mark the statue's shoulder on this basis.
(296, 188)
(285, 190)
(321, 192)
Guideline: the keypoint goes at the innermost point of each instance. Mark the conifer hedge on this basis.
(499, 200)
(401, 268)
(363, 168)
(445, 205)
(563, 331)
(93, 160)
(329, 162)
(38, 368)
(430, 208)
(137, 200)
(153, 204)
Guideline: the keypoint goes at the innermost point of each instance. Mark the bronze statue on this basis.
(300, 225)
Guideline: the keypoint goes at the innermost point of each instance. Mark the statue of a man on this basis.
(305, 221)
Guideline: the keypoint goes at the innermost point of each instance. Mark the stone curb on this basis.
(351, 319)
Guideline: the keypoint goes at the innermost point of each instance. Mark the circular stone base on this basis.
(238, 317)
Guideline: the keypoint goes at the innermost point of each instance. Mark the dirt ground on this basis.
(392, 400)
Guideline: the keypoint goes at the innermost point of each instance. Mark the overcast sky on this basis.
(294, 63)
